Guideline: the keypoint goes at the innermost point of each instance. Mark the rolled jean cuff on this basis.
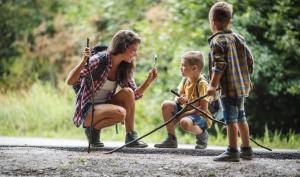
(231, 121)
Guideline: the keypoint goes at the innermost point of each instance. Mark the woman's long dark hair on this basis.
(120, 42)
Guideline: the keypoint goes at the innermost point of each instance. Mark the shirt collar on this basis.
(220, 32)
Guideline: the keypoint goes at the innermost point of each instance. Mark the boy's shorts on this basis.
(198, 120)
(233, 109)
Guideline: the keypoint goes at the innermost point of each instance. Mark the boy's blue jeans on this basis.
(234, 109)
(198, 120)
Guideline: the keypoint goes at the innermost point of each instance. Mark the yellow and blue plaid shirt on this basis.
(231, 56)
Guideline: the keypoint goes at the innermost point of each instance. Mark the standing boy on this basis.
(232, 65)
(193, 85)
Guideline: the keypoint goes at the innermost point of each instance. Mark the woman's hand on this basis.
(75, 72)
(85, 54)
(152, 75)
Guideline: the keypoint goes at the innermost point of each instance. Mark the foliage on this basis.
(46, 43)
(275, 45)
(21, 116)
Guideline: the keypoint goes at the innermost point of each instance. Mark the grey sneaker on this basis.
(202, 140)
(169, 142)
(246, 153)
(228, 156)
(132, 136)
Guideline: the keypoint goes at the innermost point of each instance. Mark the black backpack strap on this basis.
(197, 86)
(76, 87)
(103, 57)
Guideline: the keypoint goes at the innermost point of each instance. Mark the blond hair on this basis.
(194, 58)
(221, 14)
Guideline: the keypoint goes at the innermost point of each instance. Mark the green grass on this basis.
(45, 111)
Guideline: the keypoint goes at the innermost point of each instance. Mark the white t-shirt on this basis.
(107, 89)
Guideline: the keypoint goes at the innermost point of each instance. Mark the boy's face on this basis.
(186, 69)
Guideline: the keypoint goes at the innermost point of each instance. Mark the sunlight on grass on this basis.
(45, 111)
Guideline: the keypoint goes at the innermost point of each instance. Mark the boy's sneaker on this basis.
(202, 140)
(169, 142)
(230, 155)
(246, 153)
(133, 136)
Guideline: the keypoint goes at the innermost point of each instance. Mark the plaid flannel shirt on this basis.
(231, 56)
(84, 95)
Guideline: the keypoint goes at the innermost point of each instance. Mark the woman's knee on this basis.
(120, 113)
(128, 92)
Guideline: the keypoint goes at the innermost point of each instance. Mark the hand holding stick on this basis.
(220, 122)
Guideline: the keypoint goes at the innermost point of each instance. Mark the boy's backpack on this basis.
(215, 106)
(95, 50)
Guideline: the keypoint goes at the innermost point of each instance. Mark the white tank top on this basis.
(107, 89)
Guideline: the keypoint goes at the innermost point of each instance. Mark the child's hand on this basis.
(182, 100)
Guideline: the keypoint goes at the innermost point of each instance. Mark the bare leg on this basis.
(125, 98)
(232, 133)
(244, 133)
(188, 125)
(168, 107)
(105, 115)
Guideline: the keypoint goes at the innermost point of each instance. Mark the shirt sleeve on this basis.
(218, 57)
(250, 62)
(131, 84)
(93, 63)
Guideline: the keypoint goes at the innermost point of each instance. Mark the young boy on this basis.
(232, 66)
(191, 87)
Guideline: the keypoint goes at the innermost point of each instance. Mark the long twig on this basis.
(220, 122)
(159, 127)
(92, 83)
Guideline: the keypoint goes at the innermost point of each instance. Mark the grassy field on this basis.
(44, 111)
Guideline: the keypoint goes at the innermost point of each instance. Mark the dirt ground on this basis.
(32, 161)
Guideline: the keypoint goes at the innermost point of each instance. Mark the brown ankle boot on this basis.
(94, 138)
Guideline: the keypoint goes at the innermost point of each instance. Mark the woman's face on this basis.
(131, 52)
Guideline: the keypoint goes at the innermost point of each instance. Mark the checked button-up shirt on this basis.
(231, 56)
(84, 93)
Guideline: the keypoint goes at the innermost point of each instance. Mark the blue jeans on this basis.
(234, 109)
(198, 120)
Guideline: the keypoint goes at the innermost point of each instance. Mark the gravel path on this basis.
(33, 161)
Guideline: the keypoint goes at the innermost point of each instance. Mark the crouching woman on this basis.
(109, 69)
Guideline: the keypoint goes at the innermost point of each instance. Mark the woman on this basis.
(111, 107)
